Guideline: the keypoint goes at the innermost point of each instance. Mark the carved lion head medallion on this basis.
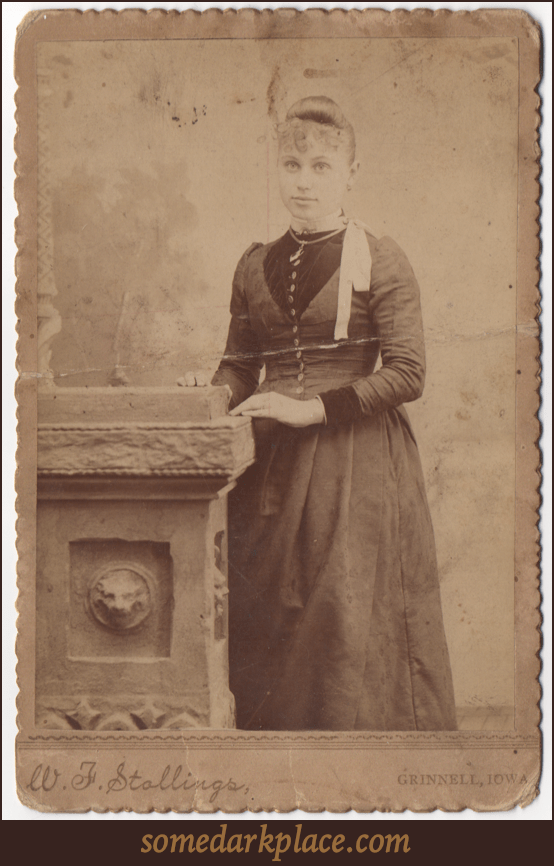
(121, 597)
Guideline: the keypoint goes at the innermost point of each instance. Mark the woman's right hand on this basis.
(199, 380)
(192, 380)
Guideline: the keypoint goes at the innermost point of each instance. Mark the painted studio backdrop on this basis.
(158, 158)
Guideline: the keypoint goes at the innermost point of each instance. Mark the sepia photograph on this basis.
(278, 395)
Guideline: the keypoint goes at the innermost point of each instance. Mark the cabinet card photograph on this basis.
(278, 367)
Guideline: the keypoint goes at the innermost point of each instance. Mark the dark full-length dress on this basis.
(335, 613)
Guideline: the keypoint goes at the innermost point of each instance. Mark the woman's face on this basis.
(313, 182)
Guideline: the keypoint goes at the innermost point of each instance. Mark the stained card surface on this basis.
(277, 291)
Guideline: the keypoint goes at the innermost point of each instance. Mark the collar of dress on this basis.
(355, 263)
(324, 224)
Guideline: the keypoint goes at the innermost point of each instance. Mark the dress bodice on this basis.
(298, 346)
(301, 355)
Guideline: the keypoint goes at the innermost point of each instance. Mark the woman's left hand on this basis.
(294, 413)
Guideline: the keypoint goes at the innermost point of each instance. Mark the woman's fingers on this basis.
(259, 403)
(286, 410)
(257, 413)
(192, 380)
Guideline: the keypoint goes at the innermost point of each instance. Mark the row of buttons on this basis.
(296, 341)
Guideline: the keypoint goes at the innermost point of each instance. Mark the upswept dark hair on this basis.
(321, 117)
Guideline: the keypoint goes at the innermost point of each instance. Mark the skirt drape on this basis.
(335, 612)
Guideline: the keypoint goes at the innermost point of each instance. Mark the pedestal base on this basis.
(132, 572)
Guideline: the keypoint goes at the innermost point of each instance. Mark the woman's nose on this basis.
(303, 181)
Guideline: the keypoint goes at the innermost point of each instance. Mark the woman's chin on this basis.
(304, 212)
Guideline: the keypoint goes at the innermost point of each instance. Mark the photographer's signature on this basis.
(171, 778)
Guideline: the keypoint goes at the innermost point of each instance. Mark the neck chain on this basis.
(295, 258)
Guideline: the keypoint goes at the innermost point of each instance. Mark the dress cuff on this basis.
(317, 397)
(342, 406)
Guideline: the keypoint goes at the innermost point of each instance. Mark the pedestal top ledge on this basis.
(142, 431)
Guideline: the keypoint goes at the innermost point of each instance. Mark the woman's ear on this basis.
(352, 176)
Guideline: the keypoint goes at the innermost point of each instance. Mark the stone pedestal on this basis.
(132, 564)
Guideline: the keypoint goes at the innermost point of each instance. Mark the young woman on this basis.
(335, 613)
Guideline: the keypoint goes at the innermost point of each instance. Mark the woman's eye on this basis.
(321, 166)
(291, 164)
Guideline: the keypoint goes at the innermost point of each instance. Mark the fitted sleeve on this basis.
(241, 363)
(395, 311)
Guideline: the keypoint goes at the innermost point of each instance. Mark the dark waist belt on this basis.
(322, 372)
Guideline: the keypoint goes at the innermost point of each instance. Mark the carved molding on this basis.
(92, 714)
(133, 486)
(157, 473)
(219, 448)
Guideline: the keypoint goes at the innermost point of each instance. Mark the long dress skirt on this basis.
(335, 613)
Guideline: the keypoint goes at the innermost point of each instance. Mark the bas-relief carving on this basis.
(121, 602)
(120, 597)
(87, 714)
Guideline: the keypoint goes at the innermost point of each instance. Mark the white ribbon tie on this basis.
(355, 273)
